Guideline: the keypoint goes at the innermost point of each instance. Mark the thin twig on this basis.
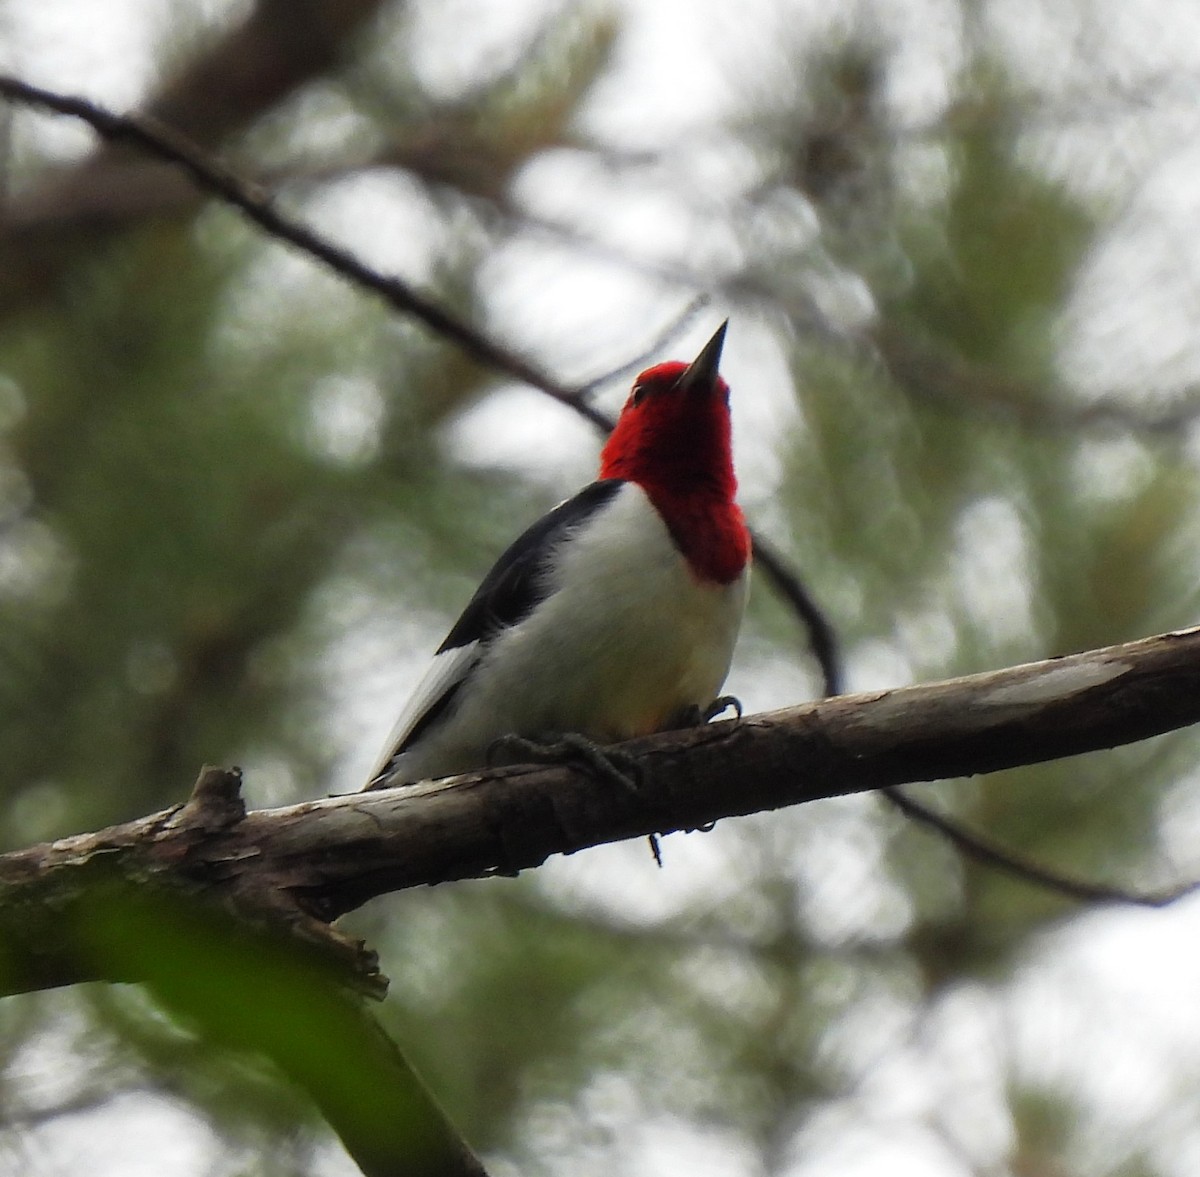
(254, 202)
(1003, 858)
(655, 348)
(160, 140)
(821, 635)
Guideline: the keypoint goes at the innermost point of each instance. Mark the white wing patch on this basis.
(445, 672)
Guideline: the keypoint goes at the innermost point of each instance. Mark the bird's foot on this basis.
(720, 705)
(609, 764)
(698, 716)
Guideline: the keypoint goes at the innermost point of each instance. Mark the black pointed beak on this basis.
(702, 372)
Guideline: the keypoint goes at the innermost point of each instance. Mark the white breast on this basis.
(626, 638)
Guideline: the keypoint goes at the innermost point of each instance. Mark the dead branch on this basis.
(302, 866)
(209, 175)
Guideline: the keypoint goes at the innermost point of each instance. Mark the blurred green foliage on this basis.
(223, 475)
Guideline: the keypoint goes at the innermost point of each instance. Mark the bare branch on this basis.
(207, 174)
(197, 932)
(323, 1038)
(651, 351)
(305, 864)
(1006, 859)
(162, 142)
(821, 635)
(248, 66)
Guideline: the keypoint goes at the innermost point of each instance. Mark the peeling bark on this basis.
(299, 867)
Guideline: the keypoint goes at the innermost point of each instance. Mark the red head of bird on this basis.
(673, 439)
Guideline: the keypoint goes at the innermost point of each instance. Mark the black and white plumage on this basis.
(614, 615)
(611, 635)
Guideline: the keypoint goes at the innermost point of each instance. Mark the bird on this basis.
(614, 615)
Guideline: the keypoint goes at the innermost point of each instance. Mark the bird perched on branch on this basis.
(613, 616)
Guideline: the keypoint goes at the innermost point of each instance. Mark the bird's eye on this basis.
(639, 393)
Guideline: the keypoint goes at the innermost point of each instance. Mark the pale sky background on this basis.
(1111, 1000)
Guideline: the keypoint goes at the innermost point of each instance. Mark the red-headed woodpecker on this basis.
(613, 616)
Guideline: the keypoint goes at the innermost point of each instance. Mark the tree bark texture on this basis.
(301, 866)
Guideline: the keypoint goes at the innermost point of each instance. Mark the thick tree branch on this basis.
(239, 958)
(306, 864)
(209, 175)
(249, 991)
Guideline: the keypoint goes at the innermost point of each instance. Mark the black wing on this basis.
(506, 596)
(513, 587)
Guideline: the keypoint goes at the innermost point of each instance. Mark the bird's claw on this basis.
(609, 764)
(721, 704)
(695, 716)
